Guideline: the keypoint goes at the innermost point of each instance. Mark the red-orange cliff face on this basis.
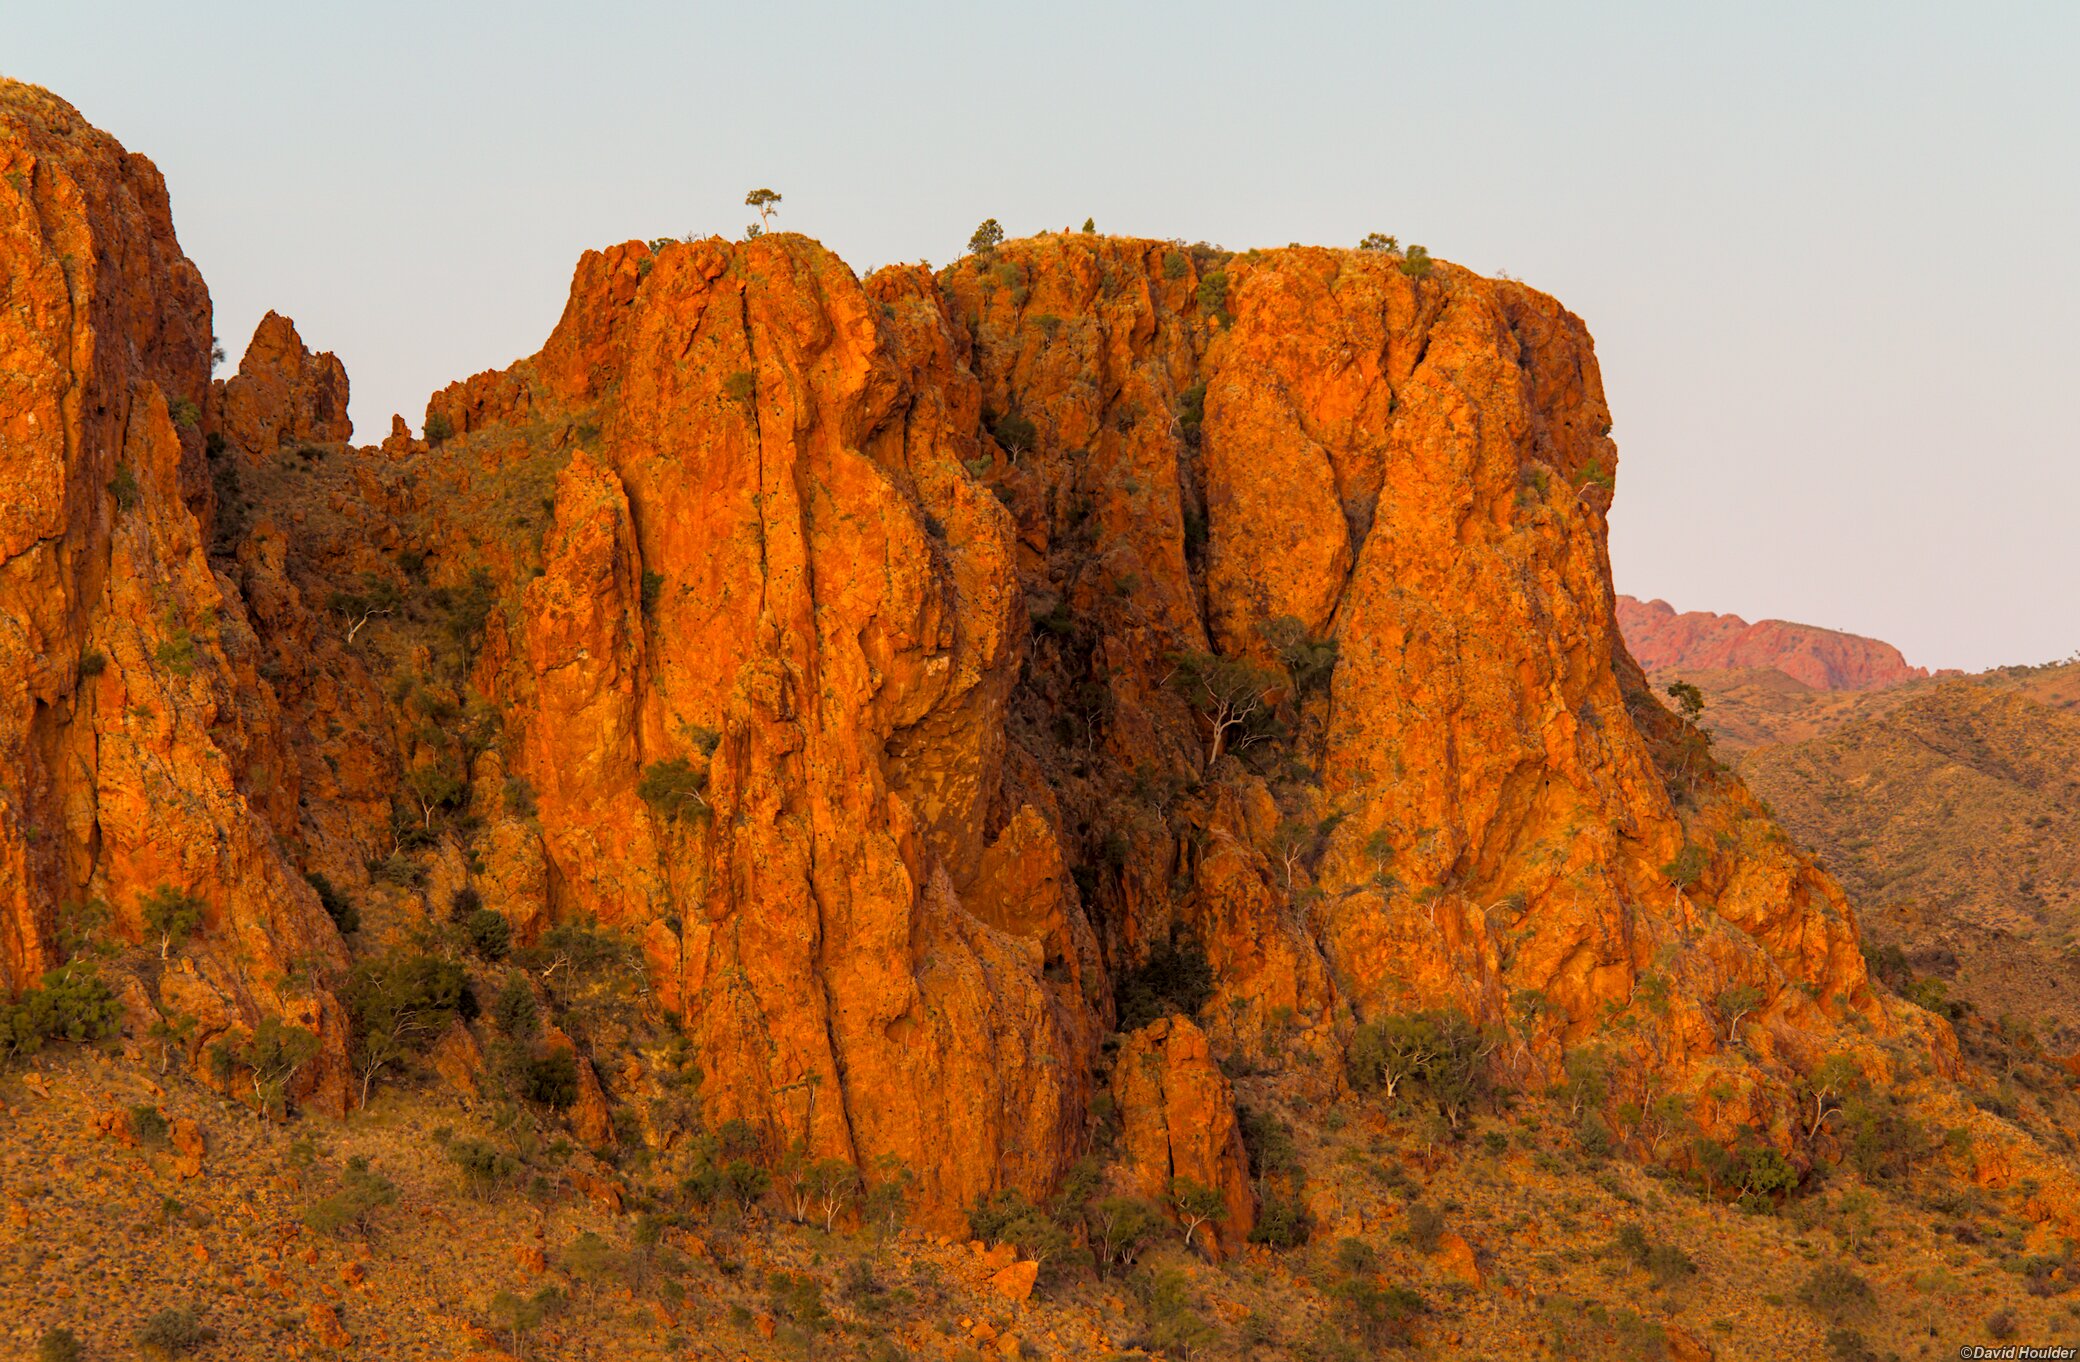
(1698, 640)
(914, 669)
(140, 742)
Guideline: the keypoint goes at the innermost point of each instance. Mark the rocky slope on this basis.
(1698, 640)
(1952, 812)
(951, 727)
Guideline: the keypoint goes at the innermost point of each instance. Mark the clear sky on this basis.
(1830, 251)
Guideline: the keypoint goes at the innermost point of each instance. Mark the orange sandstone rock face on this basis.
(282, 395)
(139, 745)
(864, 962)
(1178, 1119)
(1417, 470)
(844, 643)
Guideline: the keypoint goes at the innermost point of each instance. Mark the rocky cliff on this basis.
(142, 748)
(926, 676)
(1698, 640)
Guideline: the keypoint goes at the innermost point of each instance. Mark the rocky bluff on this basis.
(930, 675)
(1698, 640)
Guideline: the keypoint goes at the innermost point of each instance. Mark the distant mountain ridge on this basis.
(1661, 638)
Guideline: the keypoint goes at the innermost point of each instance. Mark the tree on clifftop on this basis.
(765, 201)
(987, 237)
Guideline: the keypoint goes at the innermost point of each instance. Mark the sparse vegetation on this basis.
(1175, 979)
(59, 1345)
(1014, 433)
(170, 914)
(173, 1332)
(70, 1004)
(399, 1003)
(352, 1207)
(673, 788)
(1232, 696)
(123, 487)
(1441, 1051)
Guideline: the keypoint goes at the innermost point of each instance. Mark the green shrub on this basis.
(514, 1009)
(398, 869)
(399, 1003)
(1379, 241)
(71, 1003)
(550, 1079)
(987, 237)
(345, 916)
(1007, 1217)
(59, 1345)
(1175, 980)
(743, 1182)
(1311, 661)
(123, 487)
(1014, 433)
(652, 590)
(1836, 1293)
(1381, 1316)
(488, 933)
(1120, 1227)
(1191, 412)
(1441, 1050)
(1424, 1229)
(1666, 1263)
(173, 1333)
(1282, 1223)
(1268, 1141)
(798, 1299)
(484, 1166)
(1171, 1322)
(1590, 1332)
(1231, 695)
(1688, 868)
(519, 797)
(1176, 264)
(271, 1056)
(149, 1126)
(177, 654)
(582, 948)
(468, 608)
(362, 1192)
(92, 663)
(522, 1315)
(1415, 262)
(1213, 293)
(439, 429)
(1849, 1345)
(672, 788)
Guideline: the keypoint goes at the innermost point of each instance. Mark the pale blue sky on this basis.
(1828, 250)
